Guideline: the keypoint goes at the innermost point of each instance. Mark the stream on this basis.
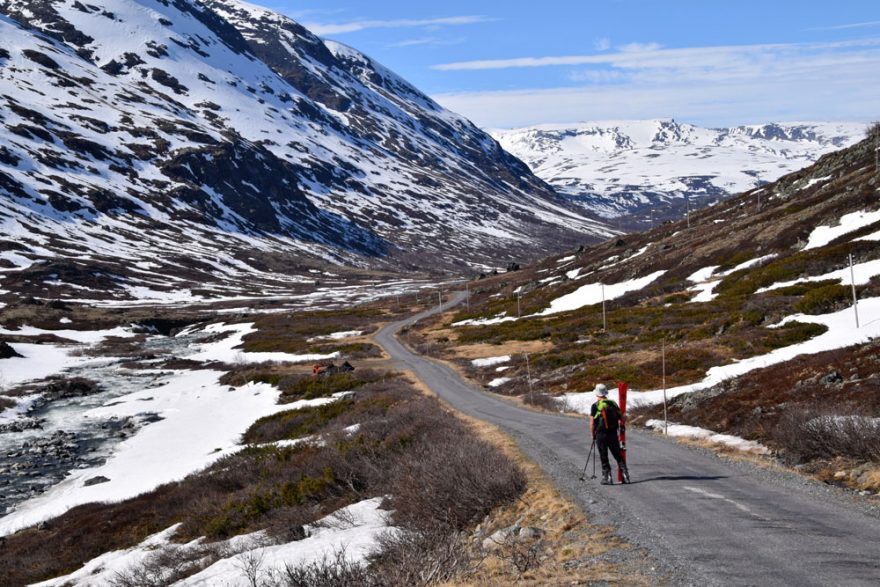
(56, 436)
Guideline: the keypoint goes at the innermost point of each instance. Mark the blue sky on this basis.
(711, 62)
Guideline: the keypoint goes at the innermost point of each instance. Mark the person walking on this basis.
(604, 425)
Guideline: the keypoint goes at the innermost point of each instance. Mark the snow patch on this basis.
(226, 350)
(498, 382)
(355, 528)
(682, 430)
(822, 235)
(593, 294)
(490, 361)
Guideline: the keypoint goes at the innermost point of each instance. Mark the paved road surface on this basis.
(707, 520)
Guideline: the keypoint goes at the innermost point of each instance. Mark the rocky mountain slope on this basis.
(644, 171)
(222, 142)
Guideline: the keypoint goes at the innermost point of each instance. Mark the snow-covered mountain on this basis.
(634, 168)
(219, 140)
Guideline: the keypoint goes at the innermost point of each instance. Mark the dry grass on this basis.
(515, 347)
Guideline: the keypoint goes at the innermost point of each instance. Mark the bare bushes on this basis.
(806, 435)
(166, 566)
(544, 400)
(873, 130)
(414, 559)
(425, 557)
(335, 571)
(464, 476)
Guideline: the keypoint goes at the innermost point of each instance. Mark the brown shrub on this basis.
(543, 400)
(822, 433)
(465, 477)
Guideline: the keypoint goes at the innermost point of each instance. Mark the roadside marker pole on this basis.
(604, 322)
(439, 299)
(665, 418)
(529, 376)
(517, 307)
(687, 201)
(852, 280)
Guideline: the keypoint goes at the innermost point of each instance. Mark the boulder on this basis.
(95, 481)
(6, 351)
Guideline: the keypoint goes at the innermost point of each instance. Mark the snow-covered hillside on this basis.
(220, 140)
(623, 168)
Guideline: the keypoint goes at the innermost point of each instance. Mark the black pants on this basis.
(607, 440)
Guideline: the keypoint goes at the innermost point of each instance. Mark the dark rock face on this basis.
(256, 187)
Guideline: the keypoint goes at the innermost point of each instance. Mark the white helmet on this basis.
(601, 390)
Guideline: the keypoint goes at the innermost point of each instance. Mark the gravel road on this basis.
(706, 520)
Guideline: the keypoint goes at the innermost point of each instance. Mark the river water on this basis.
(57, 436)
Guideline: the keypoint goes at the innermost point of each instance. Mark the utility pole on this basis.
(852, 279)
(665, 417)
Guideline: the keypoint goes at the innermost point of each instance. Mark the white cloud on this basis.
(706, 85)
(597, 76)
(602, 44)
(427, 42)
(639, 47)
(652, 56)
(360, 25)
(840, 27)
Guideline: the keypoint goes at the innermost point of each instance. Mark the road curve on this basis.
(706, 520)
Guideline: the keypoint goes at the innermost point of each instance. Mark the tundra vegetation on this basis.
(661, 328)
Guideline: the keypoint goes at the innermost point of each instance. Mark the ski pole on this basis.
(594, 459)
(589, 454)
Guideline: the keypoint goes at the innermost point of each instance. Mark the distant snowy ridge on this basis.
(619, 168)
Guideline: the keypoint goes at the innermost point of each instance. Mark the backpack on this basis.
(607, 415)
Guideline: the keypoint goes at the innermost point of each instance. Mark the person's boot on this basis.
(606, 478)
(624, 473)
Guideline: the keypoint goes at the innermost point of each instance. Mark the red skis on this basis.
(621, 390)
